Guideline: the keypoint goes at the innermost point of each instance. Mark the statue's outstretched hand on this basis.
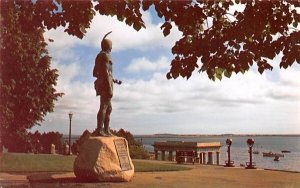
(119, 82)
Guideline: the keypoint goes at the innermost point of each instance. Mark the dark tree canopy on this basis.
(218, 42)
(213, 40)
(27, 82)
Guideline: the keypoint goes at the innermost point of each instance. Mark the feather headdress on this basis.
(106, 35)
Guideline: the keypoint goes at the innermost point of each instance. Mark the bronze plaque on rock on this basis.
(121, 148)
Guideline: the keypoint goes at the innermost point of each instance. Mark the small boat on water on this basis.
(255, 152)
(271, 154)
(285, 151)
(276, 158)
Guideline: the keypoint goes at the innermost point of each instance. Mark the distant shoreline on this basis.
(211, 135)
(65, 136)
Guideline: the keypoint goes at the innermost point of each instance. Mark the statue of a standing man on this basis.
(104, 86)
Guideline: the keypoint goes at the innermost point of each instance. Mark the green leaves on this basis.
(166, 27)
(27, 81)
(124, 10)
(263, 65)
(227, 73)
(146, 4)
(256, 35)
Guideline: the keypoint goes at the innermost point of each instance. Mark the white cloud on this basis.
(143, 64)
(79, 98)
(250, 100)
(61, 39)
(241, 104)
(250, 88)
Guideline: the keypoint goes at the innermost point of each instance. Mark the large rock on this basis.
(104, 159)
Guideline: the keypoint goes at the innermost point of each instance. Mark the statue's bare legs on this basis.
(103, 117)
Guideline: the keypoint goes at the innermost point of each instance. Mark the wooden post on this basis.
(170, 155)
(163, 155)
(218, 157)
(210, 158)
(201, 158)
(155, 154)
(204, 158)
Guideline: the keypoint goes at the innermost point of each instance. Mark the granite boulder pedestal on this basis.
(104, 159)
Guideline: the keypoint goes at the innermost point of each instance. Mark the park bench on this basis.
(186, 157)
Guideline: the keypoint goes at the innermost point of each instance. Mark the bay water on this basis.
(239, 148)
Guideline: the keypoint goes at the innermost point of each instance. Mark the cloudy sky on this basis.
(148, 103)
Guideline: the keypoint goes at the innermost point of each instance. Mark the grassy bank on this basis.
(15, 162)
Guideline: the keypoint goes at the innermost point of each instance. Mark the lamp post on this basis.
(250, 143)
(70, 117)
(229, 163)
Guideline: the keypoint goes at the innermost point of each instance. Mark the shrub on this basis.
(136, 150)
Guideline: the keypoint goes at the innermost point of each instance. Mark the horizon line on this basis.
(221, 134)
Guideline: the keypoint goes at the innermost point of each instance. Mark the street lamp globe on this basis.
(70, 115)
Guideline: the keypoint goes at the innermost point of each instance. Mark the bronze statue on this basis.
(104, 86)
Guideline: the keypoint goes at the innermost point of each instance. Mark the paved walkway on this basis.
(198, 176)
(13, 180)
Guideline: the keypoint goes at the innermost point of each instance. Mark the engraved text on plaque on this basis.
(122, 154)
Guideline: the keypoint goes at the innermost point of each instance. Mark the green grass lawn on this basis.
(16, 162)
(35, 162)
